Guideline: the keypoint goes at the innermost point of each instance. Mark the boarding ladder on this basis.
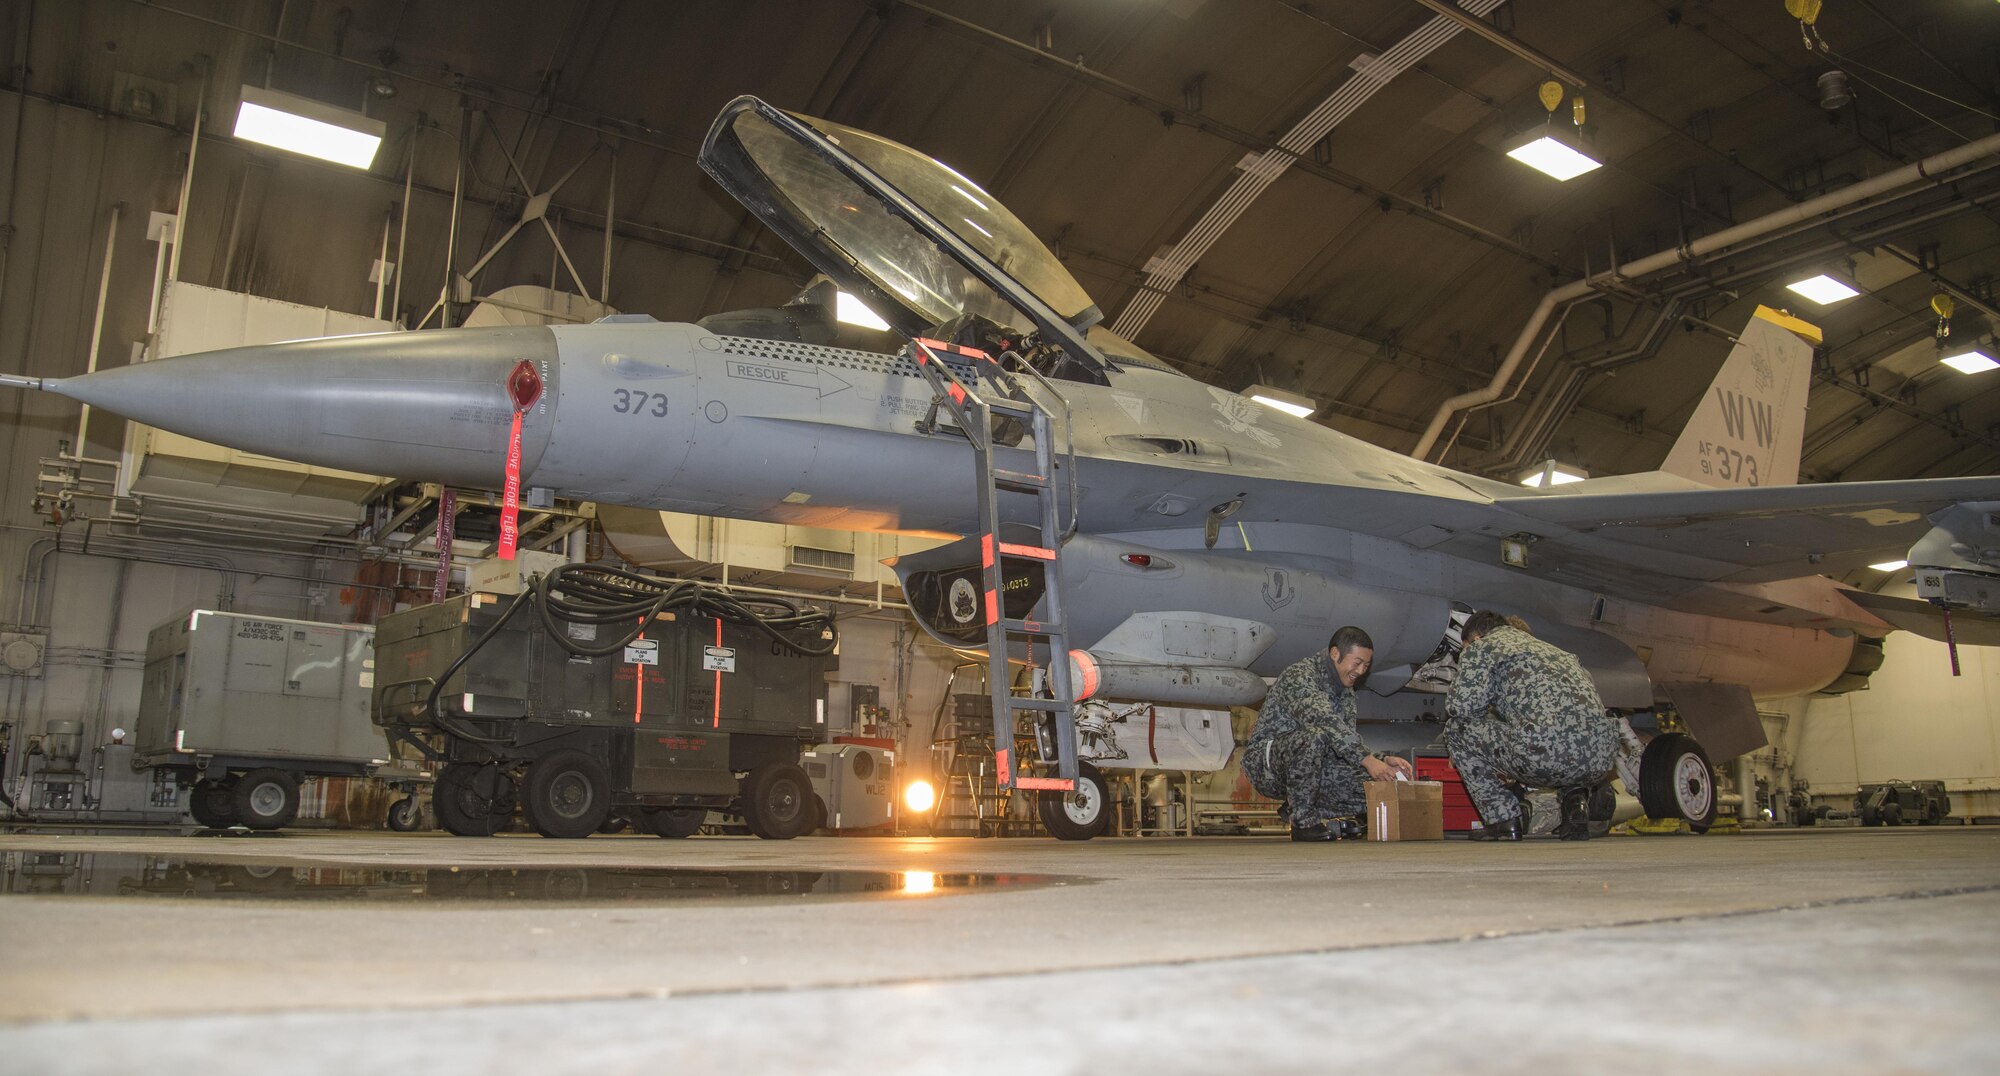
(1052, 717)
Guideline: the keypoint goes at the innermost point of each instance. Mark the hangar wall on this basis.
(1915, 722)
(264, 224)
(910, 668)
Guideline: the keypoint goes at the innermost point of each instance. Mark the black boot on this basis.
(1575, 825)
(1510, 830)
(1316, 831)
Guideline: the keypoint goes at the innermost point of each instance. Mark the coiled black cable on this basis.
(594, 595)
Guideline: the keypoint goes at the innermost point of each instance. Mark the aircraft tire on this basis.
(1078, 815)
(778, 801)
(567, 794)
(472, 800)
(1677, 781)
(266, 798)
(1892, 814)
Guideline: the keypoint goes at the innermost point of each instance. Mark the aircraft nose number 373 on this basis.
(634, 402)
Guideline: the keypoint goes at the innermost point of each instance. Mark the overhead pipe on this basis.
(1927, 169)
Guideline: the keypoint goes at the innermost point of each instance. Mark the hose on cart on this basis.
(593, 594)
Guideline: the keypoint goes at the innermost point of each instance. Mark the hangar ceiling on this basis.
(1387, 269)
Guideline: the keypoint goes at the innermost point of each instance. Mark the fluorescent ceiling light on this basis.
(1973, 361)
(1562, 161)
(1823, 290)
(1291, 403)
(1553, 474)
(1891, 565)
(853, 311)
(313, 128)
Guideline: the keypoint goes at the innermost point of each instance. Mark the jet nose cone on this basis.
(420, 405)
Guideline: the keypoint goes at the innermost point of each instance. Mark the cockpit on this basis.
(924, 247)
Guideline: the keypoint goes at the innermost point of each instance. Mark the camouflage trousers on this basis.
(1299, 768)
(1489, 752)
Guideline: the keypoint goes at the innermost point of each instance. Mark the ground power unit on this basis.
(598, 694)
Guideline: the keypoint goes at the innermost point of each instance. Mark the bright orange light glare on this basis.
(917, 882)
(919, 796)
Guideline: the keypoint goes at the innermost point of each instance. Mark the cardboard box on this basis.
(1405, 811)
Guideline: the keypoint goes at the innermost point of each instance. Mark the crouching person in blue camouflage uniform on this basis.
(1305, 750)
(1524, 711)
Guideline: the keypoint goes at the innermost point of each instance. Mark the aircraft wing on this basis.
(1768, 533)
(1922, 618)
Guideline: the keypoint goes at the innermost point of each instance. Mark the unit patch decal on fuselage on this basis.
(1240, 415)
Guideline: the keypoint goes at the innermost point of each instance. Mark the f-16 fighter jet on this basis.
(1156, 547)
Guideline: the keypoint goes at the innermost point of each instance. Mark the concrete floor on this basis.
(1852, 950)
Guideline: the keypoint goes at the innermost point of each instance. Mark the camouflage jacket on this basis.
(1523, 679)
(1309, 696)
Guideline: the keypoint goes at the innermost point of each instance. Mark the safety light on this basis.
(312, 128)
(1891, 565)
(1291, 403)
(1823, 289)
(1553, 157)
(853, 311)
(1971, 361)
(919, 796)
(919, 882)
(1551, 473)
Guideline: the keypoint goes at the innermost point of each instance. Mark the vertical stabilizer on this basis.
(1749, 426)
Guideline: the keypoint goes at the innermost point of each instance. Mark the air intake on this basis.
(824, 560)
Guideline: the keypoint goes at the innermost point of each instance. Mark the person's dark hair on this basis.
(1480, 623)
(1348, 638)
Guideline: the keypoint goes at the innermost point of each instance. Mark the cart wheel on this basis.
(404, 814)
(1892, 814)
(266, 799)
(672, 822)
(472, 800)
(213, 804)
(777, 801)
(567, 794)
(1078, 815)
(1676, 781)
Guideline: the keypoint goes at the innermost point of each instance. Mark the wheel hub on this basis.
(570, 795)
(267, 799)
(1082, 804)
(1693, 786)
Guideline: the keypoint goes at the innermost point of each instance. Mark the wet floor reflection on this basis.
(126, 874)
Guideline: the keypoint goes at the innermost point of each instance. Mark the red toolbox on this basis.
(1459, 813)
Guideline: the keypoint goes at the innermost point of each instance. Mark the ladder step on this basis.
(1052, 784)
(1031, 627)
(1035, 551)
(1020, 702)
(1011, 409)
(1020, 478)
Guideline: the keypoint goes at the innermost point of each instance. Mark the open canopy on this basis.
(915, 240)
